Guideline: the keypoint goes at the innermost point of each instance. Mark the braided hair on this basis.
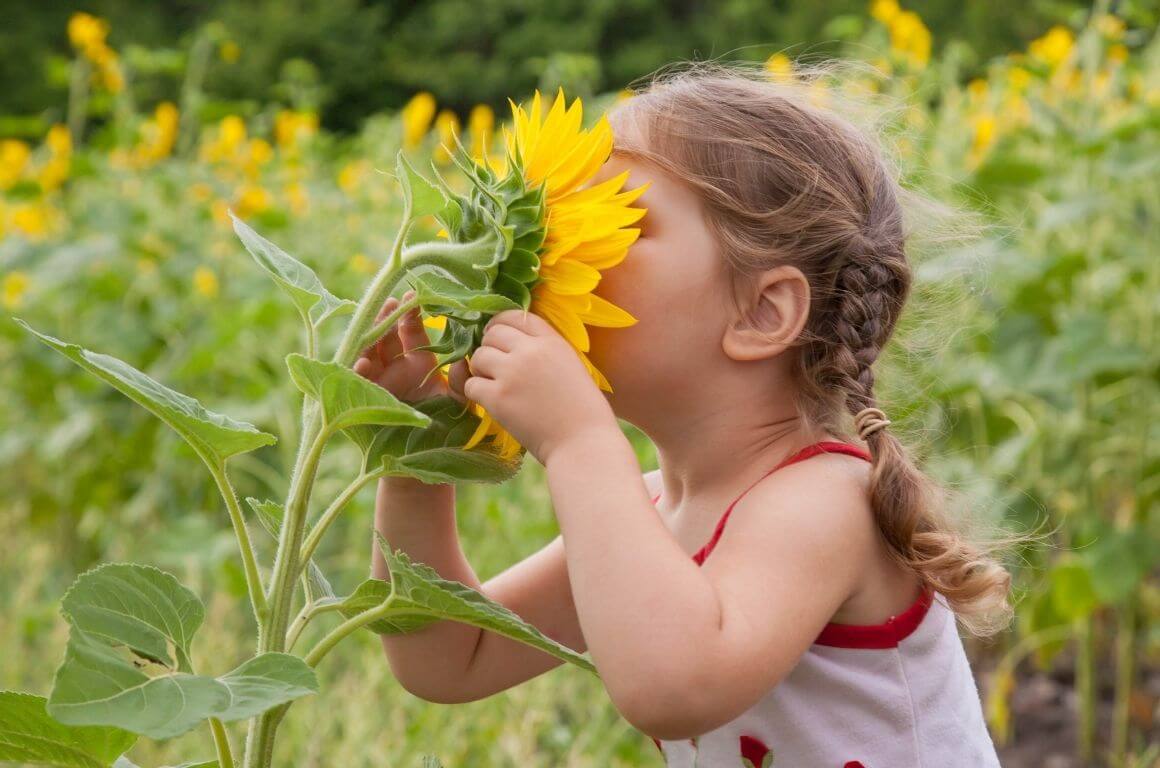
(784, 180)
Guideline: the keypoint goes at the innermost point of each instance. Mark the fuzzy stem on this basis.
(245, 546)
(221, 742)
(347, 627)
(304, 617)
(316, 533)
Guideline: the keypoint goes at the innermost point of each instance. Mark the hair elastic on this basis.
(868, 421)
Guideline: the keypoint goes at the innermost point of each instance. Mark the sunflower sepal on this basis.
(437, 453)
(441, 295)
(420, 196)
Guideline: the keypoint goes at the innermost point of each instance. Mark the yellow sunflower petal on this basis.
(606, 314)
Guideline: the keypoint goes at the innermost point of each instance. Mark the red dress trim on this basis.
(884, 635)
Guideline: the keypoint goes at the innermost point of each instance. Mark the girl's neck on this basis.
(707, 466)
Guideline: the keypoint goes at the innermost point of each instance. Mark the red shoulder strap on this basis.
(824, 446)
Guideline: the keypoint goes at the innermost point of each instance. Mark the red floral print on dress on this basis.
(754, 753)
(854, 764)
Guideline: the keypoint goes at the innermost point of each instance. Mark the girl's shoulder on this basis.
(838, 486)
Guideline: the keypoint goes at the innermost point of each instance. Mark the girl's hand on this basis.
(393, 363)
(530, 379)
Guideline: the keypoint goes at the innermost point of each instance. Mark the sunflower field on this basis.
(1026, 375)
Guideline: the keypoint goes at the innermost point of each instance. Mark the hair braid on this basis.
(784, 181)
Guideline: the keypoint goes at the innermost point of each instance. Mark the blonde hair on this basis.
(786, 180)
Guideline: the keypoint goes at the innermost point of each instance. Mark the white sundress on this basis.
(899, 694)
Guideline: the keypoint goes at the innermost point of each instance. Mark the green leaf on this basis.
(438, 293)
(1072, 594)
(349, 400)
(297, 279)
(124, 762)
(29, 735)
(371, 594)
(450, 465)
(264, 682)
(214, 436)
(423, 197)
(127, 661)
(418, 590)
(434, 454)
(137, 606)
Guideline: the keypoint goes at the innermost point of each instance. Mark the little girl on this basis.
(781, 591)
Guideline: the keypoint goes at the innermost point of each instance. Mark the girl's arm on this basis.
(451, 663)
(419, 519)
(682, 648)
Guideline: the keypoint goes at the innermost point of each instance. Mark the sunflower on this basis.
(586, 231)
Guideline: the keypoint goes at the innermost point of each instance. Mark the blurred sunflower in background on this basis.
(587, 230)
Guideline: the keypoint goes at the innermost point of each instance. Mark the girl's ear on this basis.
(775, 312)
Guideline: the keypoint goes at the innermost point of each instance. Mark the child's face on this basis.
(673, 283)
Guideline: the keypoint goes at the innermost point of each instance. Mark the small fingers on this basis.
(456, 377)
(484, 362)
(502, 337)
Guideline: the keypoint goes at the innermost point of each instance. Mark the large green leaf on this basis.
(127, 662)
(213, 435)
(418, 591)
(29, 735)
(137, 606)
(298, 280)
(349, 400)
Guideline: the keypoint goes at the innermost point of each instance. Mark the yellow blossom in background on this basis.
(110, 75)
(251, 199)
(13, 289)
(228, 138)
(297, 198)
(1110, 26)
(205, 282)
(977, 90)
(480, 127)
(779, 67)
(361, 264)
(57, 166)
(30, 219)
(1054, 47)
(1118, 53)
(983, 136)
(885, 10)
(292, 128)
(1018, 78)
(446, 128)
(351, 176)
(14, 156)
(87, 34)
(910, 38)
(229, 51)
(158, 135)
(416, 116)
(258, 153)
